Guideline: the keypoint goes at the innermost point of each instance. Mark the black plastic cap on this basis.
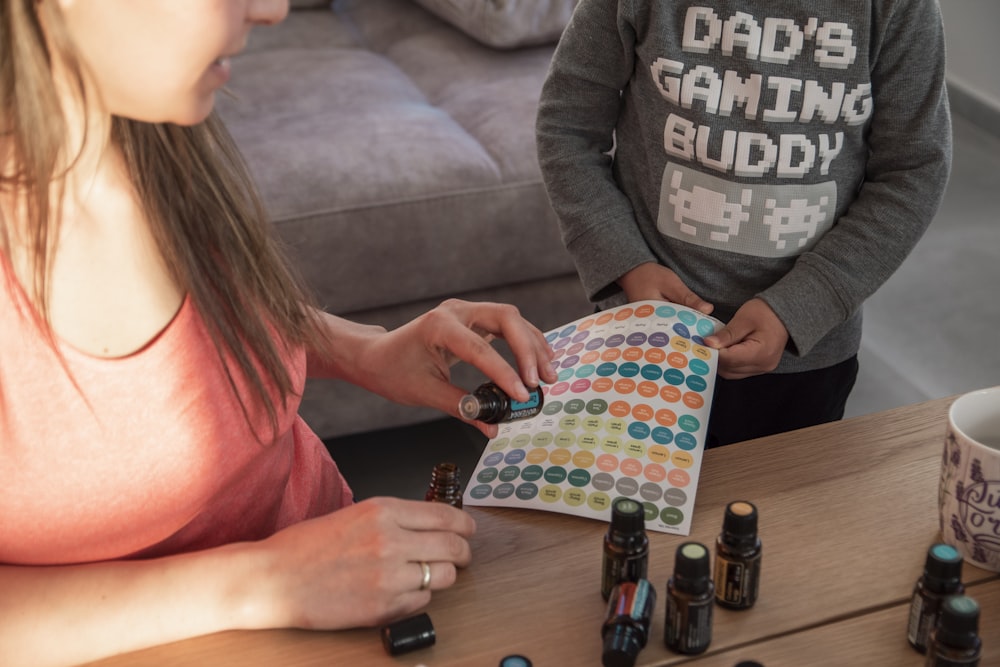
(628, 517)
(408, 634)
(621, 647)
(692, 572)
(958, 624)
(740, 521)
(943, 569)
(515, 661)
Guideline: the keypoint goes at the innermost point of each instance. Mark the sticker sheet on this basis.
(627, 417)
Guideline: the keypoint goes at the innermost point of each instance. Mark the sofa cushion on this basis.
(506, 23)
(391, 147)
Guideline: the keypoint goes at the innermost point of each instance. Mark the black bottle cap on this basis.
(628, 517)
(621, 647)
(958, 624)
(408, 634)
(740, 521)
(691, 568)
(943, 569)
(515, 661)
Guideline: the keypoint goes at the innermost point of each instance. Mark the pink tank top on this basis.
(149, 454)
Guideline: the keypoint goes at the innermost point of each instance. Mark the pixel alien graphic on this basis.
(701, 207)
(798, 221)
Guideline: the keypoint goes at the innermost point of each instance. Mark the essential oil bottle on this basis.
(942, 577)
(626, 626)
(690, 600)
(491, 404)
(626, 546)
(446, 485)
(954, 641)
(738, 557)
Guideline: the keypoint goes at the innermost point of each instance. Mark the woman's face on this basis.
(162, 60)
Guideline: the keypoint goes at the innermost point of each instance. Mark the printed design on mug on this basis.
(978, 517)
(627, 417)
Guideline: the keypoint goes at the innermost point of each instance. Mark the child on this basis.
(156, 482)
(769, 163)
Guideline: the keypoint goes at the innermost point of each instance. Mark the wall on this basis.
(972, 33)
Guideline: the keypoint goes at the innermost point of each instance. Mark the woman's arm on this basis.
(358, 566)
(410, 365)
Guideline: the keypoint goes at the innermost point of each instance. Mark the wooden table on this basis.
(847, 512)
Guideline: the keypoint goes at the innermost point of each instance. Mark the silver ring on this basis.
(425, 580)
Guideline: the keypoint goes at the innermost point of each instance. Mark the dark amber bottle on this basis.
(738, 557)
(446, 485)
(942, 577)
(954, 641)
(491, 404)
(626, 626)
(690, 599)
(626, 546)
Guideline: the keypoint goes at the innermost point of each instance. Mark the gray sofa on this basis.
(396, 156)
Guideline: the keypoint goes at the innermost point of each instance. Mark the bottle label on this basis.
(737, 581)
(688, 627)
(621, 569)
(916, 629)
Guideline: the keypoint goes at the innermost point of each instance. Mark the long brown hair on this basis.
(204, 212)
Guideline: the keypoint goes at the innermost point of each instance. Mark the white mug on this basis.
(969, 489)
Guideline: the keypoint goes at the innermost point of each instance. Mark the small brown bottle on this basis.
(690, 600)
(954, 641)
(626, 546)
(491, 404)
(625, 630)
(737, 557)
(942, 577)
(446, 485)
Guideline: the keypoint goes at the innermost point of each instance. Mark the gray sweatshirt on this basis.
(793, 151)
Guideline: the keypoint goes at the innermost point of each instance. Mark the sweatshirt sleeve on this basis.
(578, 110)
(908, 166)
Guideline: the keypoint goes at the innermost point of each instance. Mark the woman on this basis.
(156, 482)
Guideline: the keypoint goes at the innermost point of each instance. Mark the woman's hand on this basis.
(411, 365)
(653, 281)
(359, 566)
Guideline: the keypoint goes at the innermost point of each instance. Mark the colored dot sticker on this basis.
(631, 467)
(666, 312)
(632, 354)
(674, 497)
(615, 426)
(620, 409)
(682, 459)
(651, 492)
(635, 449)
(574, 406)
(569, 423)
(503, 491)
(560, 457)
(509, 474)
(532, 473)
(627, 486)
(552, 407)
(584, 459)
(604, 318)
(589, 358)
(565, 439)
(654, 472)
(693, 400)
(585, 371)
(677, 359)
(537, 456)
(696, 383)
(662, 435)
(542, 439)
(527, 491)
(611, 355)
(493, 459)
(481, 491)
(559, 388)
(678, 477)
(665, 417)
(628, 370)
(624, 314)
(682, 330)
(685, 441)
(625, 386)
(587, 441)
(597, 406)
(487, 475)
(607, 463)
(555, 475)
(674, 377)
(687, 317)
(521, 440)
(689, 423)
(658, 339)
(671, 516)
(565, 374)
(602, 481)
(655, 355)
(514, 456)
(642, 412)
(705, 327)
(574, 497)
(580, 386)
(567, 330)
(698, 367)
(670, 394)
(639, 430)
(651, 372)
(644, 310)
(602, 385)
(607, 369)
(594, 343)
(579, 478)
(612, 444)
(499, 444)
(592, 424)
(599, 501)
(550, 494)
(614, 340)
(650, 512)
(659, 454)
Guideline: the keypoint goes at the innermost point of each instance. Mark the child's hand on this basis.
(751, 343)
(653, 281)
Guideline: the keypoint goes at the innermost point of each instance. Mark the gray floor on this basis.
(930, 332)
(932, 329)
